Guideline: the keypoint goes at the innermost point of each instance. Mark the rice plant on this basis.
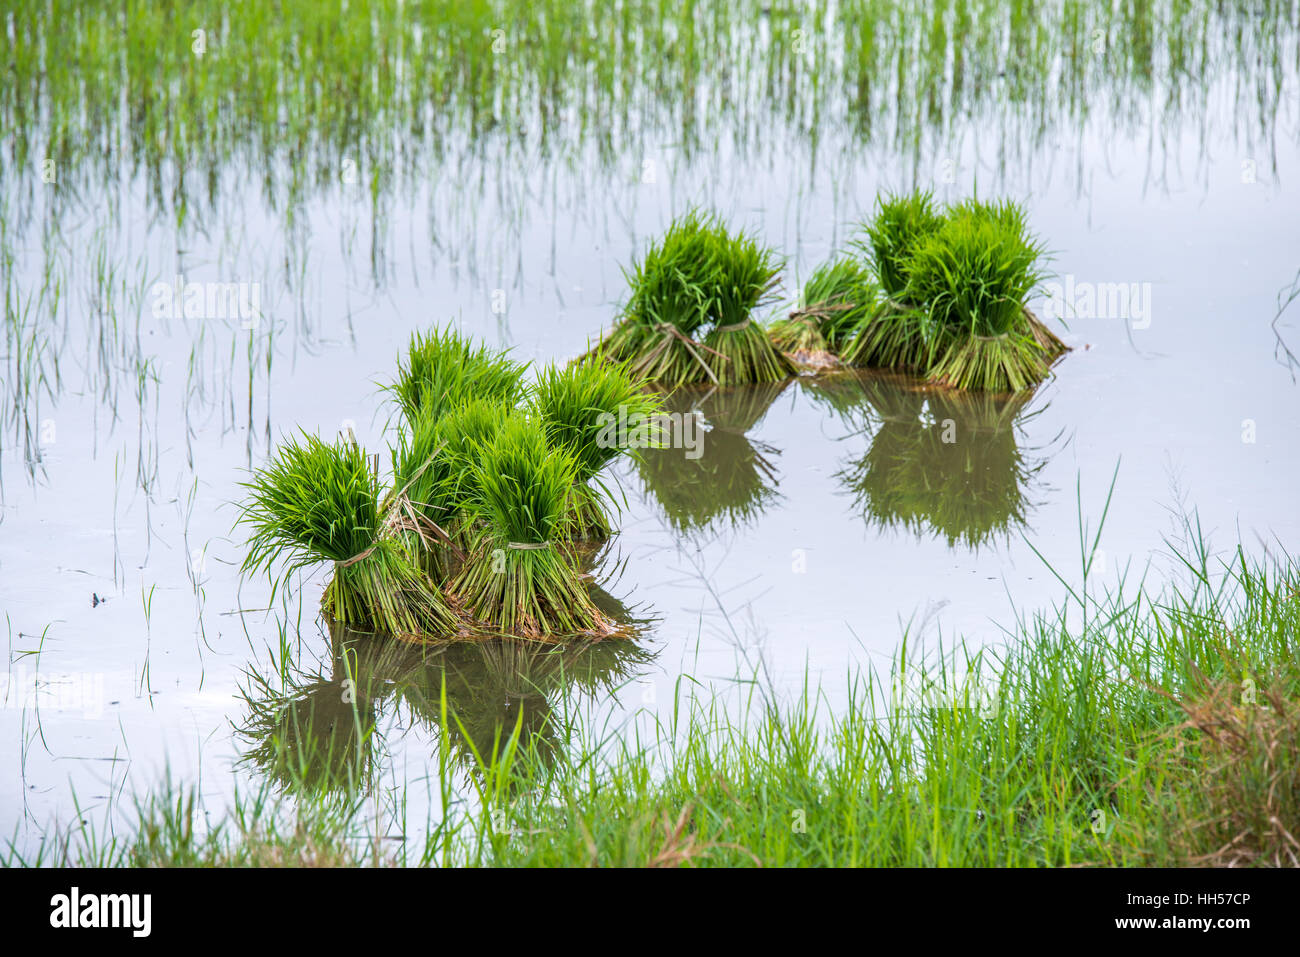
(582, 408)
(443, 368)
(518, 578)
(698, 280)
(837, 299)
(746, 273)
(317, 503)
(974, 275)
(427, 489)
(459, 434)
(957, 282)
(901, 222)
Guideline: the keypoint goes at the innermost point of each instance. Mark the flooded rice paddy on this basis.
(178, 299)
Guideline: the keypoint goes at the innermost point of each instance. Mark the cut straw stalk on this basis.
(1007, 363)
(800, 333)
(671, 358)
(529, 589)
(892, 337)
(1048, 341)
(384, 590)
(748, 356)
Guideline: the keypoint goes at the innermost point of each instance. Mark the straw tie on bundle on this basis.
(669, 332)
(315, 503)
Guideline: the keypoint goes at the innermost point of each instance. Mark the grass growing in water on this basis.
(316, 503)
(518, 577)
(581, 407)
(1126, 727)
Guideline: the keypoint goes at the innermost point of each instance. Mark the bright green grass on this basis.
(1083, 740)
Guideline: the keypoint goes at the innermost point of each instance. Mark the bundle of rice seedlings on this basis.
(317, 503)
(460, 432)
(443, 369)
(745, 276)
(675, 287)
(896, 334)
(901, 222)
(518, 577)
(973, 275)
(837, 300)
(697, 278)
(427, 495)
(596, 413)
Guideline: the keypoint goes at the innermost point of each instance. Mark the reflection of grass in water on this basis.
(302, 92)
(734, 479)
(969, 490)
(315, 733)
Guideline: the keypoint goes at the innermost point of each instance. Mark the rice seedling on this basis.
(837, 299)
(901, 222)
(974, 275)
(581, 408)
(427, 488)
(443, 369)
(746, 274)
(518, 577)
(688, 318)
(317, 503)
(957, 284)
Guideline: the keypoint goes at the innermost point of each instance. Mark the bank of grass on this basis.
(1128, 728)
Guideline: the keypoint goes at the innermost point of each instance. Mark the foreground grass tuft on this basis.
(1123, 729)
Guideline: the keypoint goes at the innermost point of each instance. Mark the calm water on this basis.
(824, 519)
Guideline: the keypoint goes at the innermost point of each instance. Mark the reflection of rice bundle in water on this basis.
(734, 478)
(943, 461)
(319, 733)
